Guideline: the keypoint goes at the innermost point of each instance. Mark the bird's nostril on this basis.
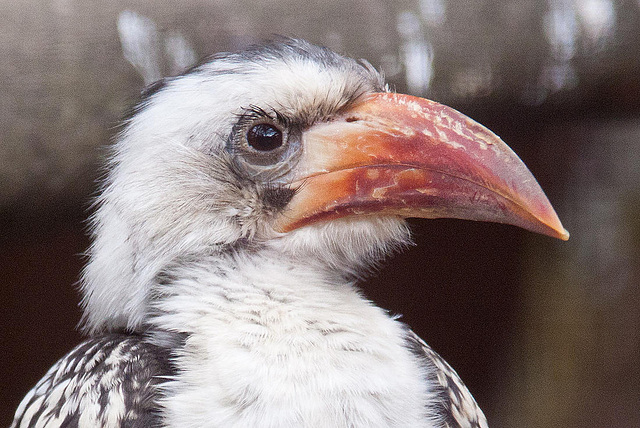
(352, 119)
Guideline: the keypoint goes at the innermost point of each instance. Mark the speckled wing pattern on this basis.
(107, 381)
(456, 406)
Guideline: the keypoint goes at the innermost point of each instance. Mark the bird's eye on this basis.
(264, 145)
(264, 137)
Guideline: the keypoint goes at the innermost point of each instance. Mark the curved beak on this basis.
(394, 154)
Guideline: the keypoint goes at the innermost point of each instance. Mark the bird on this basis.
(242, 202)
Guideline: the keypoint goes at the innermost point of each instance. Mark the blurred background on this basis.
(545, 333)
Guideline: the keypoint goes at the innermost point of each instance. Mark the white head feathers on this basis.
(174, 191)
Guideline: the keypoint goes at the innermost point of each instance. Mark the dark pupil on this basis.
(264, 137)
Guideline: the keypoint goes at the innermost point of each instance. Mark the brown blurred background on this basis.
(545, 333)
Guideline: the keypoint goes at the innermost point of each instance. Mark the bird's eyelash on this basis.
(254, 113)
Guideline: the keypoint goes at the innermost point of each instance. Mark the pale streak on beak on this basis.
(394, 154)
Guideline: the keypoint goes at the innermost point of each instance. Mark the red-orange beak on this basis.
(394, 154)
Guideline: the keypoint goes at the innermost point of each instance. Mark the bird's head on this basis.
(294, 150)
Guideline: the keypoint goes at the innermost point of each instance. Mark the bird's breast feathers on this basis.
(290, 351)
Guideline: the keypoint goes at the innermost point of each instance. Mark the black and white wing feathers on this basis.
(107, 381)
(455, 406)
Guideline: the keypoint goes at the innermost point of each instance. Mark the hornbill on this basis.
(243, 200)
